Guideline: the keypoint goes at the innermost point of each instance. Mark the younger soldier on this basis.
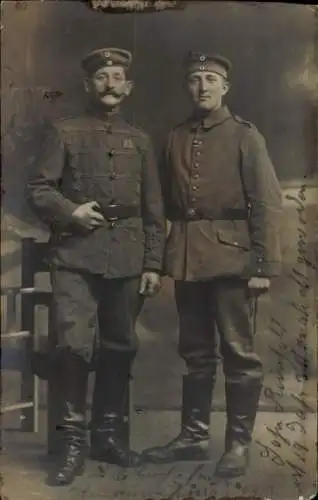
(223, 199)
(98, 188)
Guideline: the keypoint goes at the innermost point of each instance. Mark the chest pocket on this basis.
(127, 159)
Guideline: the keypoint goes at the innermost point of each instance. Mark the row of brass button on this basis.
(195, 175)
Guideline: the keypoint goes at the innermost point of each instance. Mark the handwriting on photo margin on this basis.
(195, 481)
(298, 360)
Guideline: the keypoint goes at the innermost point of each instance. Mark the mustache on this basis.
(111, 92)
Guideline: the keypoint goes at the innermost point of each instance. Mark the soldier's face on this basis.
(207, 89)
(109, 86)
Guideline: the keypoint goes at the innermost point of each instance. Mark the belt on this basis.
(114, 211)
(111, 213)
(193, 214)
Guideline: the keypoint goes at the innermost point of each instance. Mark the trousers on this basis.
(222, 305)
(93, 314)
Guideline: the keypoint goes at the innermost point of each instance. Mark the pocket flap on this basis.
(233, 239)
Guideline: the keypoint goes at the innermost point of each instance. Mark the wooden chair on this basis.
(29, 403)
(34, 261)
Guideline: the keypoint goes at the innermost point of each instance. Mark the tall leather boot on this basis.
(72, 449)
(193, 441)
(242, 398)
(110, 411)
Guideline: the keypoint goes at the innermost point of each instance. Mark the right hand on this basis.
(87, 217)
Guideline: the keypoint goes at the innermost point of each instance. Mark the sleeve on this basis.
(152, 211)
(42, 192)
(265, 205)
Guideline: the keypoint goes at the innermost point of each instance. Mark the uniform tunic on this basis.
(220, 167)
(95, 274)
(223, 199)
(101, 158)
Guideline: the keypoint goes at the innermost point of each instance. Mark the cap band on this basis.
(197, 61)
(106, 57)
(210, 66)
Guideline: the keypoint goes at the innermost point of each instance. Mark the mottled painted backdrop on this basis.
(274, 85)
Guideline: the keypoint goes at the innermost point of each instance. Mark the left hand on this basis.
(259, 285)
(150, 283)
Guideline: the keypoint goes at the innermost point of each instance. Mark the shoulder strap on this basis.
(243, 122)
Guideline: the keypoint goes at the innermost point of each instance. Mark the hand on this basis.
(87, 217)
(258, 285)
(150, 283)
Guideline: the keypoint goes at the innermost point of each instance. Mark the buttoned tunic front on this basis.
(100, 157)
(219, 167)
(95, 275)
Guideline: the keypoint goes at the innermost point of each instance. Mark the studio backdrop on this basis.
(273, 85)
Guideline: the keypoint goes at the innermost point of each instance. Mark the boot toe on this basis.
(59, 479)
(177, 451)
(135, 459)
(63, 478)
(156, 456)
(230, 472)
(116, 455)
(65, 471)
(232, 464)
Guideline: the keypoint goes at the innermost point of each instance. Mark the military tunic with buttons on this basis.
(99, 157)
(223, 199)
(91, 163)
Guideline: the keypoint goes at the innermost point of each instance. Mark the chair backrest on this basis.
(33, 261)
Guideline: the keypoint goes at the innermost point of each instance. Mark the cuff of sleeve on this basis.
(264, 269)
(153, 266)
(153, 270)
(68, 209)
(63, 216)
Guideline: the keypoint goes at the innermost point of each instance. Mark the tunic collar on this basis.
(113, 116)
(211, 119)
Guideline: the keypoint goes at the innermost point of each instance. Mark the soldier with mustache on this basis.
(97, 186)
(223, 199)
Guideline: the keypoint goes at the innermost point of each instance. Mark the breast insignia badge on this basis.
(128, 144)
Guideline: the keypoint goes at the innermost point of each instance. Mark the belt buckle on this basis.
(113, 218)
(191, 213)
(112, 221)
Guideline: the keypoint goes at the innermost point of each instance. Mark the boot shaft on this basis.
(72, 412)
(111, 398)
(196, 403)
(193, 441)
(242, 400)
(111, 390)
